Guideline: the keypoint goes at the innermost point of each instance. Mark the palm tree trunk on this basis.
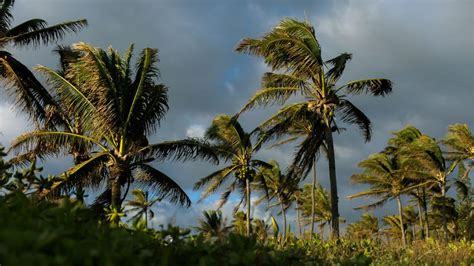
(298, 220)
(247, 187)
(333, 184)
(117, 173)
(443, 215)
(402, 228)
(420, 218)
(313, 199)
(425, 210)
(283, 213)
(116, 193)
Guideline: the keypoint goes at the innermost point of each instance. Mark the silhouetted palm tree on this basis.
(213, 225)
(277, 185)
(117, 112)
(31, 97)
(388, 179)
(141, 205)
(232, 144)
(294, 53)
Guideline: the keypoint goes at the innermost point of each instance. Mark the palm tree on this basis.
(294, 54)
(277, 185)
(461, 143)
(232, 144)
(366, 227)
(31, 97)
(213, 225)
(428, 156)
(141, 206)
(397, 144)
(321, 209)
(388, 179)
(117, 113)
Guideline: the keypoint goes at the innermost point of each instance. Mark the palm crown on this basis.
(118, 110)
(232, 144)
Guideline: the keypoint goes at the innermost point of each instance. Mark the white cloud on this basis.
(11, 124)
(195, 131)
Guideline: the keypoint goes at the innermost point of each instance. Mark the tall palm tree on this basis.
(213, 225)
(232, 144)
(141, 205)
(31, 97)
(460, 140)
(293, 52)
(277, 185)
(388, 179)
(118, 110)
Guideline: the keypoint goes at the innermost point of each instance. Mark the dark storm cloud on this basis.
(425, 47)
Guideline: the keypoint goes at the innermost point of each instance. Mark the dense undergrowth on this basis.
(66, 233)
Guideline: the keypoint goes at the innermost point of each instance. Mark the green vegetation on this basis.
(101, 111)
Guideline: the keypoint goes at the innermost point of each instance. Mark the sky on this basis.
(425, 47)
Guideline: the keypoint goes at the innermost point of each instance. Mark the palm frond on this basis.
(350, 114)
(163, 185)
(269, 96)
(46, 35)
(22, 85)
(217, 178)
(338, 64)
(374, 86)
(187, 149)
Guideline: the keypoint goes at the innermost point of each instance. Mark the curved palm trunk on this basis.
(425, 210)
(420, 219)
(247, 188)
(400, 212)
(443, 215)
(333, 184)
(313, 199)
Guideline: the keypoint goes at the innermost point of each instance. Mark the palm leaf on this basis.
(162, 184)
(374, 86)
(48, 35)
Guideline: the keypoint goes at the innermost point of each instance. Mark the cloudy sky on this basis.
(425, 47)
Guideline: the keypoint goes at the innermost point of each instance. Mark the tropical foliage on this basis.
(103, 111)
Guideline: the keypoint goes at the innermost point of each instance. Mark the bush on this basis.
(66, 233)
